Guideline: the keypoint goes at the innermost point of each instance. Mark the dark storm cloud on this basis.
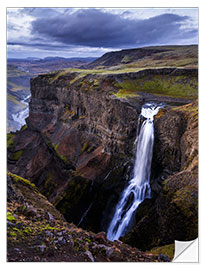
(44, 46)
(95, 28)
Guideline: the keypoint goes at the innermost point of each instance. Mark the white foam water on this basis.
(138, 188)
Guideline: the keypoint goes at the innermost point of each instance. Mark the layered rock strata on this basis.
(78, 146)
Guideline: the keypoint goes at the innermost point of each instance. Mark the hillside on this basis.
(48, 64)
(37, 232)
(18, 89)
(157, 56)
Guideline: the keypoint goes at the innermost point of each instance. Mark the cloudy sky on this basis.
(85, 32)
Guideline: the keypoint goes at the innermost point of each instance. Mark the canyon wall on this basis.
(78, 147)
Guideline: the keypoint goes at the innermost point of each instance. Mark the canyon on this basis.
(77, 148)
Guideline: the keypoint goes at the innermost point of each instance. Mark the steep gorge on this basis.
(77, 148)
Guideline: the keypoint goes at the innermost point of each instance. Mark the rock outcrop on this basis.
(37, 232)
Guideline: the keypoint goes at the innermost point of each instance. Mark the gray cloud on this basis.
(95, 28)
(41, 12)
(43, 46)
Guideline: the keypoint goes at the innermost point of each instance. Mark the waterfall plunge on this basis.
(138, 188)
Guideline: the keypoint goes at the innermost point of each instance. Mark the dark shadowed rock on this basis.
(174, 213)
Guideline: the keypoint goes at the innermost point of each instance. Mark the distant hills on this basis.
(51, 59)
(155, 56)
(36, 65)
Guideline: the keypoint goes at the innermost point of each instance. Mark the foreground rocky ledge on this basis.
(37, 232)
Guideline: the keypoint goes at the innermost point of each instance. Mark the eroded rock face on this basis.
(173, 214)
(73, 141)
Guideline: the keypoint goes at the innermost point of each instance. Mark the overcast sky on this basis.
(69, 32)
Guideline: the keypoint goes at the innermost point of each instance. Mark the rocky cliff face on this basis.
(78, 145)
(173, 213)
(74, 139)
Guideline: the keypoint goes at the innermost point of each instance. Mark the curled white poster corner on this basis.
(186, 251)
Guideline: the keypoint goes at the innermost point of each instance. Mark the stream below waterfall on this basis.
(20, 116)
(138, 188)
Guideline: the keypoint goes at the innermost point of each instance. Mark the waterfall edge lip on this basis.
(150, 109)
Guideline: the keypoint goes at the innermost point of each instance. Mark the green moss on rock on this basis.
(10, 140)
(24, 181)
(10, 217)
(167, 250)
(23, 127)
(165, 85)
(15, 155)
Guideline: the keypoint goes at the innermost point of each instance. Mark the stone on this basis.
(89, 254)
(51, 218)
(42, 248)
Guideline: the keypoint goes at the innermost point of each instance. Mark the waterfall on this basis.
(138, 188)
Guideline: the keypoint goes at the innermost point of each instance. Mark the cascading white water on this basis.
(138, 187)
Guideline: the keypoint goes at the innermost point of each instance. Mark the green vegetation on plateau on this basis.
(115, 65)
(177, 86)
(81, 73)
(173, 86)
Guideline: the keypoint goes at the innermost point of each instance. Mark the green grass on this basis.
(16, 155)
(173, 86)
(126, 59)
(167, 250)
(124, 94)
(84, 72)
(10, 217)
(21, 179)
(10, 141)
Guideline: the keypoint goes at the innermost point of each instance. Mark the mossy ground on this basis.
(81, 73)
(17, 178)
(168, 250)
(10, 141)
(37, 232)
(175, 86)
(13, 155)
(163, 85)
